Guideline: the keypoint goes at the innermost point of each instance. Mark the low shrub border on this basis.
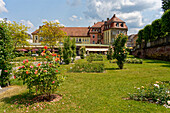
(134, 61)
(87, 67)
(158, 93)
(94, 57)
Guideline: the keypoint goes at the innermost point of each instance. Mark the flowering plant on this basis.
(158, 92)
(42, 76)
(120, 52)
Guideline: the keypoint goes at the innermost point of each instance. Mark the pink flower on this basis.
(45, 70)
(53, 82)
(31, 66)
(6, 71)
(19, 67)
(36, 72)
(23, 66)
(24, 61)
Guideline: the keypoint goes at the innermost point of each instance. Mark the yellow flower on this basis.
(157, 82)
(142, 87)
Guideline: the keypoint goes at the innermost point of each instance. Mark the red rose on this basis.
(6, 71)
(14, 77)
(27, 72)
(23, 66)
(27, 60)
(56, 71)
(24, 61)
(39, 64)
(46, 56)
(45, 47)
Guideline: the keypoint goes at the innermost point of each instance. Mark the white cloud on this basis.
(75, 18)
(2, 6)
(29, 24)
(73, 2)
(130, 11)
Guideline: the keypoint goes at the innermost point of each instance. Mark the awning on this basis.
(96, 49)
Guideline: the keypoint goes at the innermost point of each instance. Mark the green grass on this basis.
(98, 92)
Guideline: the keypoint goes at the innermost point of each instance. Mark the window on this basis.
(83, 40)
(93, 42)
(93, 36)
(76, 39)
(36, 37)
(118, 32)
(121, 25)
(41, 38)
(109, 26)
(117, 24)
(93, 30)
(79, 39)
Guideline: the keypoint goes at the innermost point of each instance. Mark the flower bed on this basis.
(87, 67)
(134, 61)
(158, 93)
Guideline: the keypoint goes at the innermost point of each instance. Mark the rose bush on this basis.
(43, 77)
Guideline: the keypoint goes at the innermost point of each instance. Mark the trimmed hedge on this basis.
(94, 57)
(87, 67)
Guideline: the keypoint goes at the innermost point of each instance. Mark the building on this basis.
(132, 40)
(103, 32)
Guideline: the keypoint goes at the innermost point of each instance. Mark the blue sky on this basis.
(81, 13)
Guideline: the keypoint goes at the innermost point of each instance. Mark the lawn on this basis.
(95, 92)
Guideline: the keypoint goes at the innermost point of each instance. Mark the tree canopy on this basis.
(165, 5)
(51, 33)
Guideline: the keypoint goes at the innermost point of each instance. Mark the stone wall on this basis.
(158, 49)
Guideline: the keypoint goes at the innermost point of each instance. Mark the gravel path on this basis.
(4, 89)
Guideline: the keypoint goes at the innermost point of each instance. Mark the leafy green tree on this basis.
(67, 52)
(110, 53)
(156, 29)
(82, 52)
(51, 33)
(73, 47)
(19, 34)
(166, 21)
(6, 53)
(140, 37)
(119, 49)
(165, 5)
(147, 34)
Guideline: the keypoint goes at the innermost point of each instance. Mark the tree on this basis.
(73, 47)
(147, 33)
(119, 49)
(165, 21)
(140, 37)
(165, 5)
(6, 53)
(51, 33)
(67, 52)
(156, 29)
(19, 34)
(82, 52)
(110, 53)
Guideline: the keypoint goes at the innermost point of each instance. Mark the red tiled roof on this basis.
(35, 32)
(76, 31)
(115, 19)
(98, 24)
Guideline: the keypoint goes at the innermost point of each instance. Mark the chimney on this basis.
(107, 19)
(102, 20)
(94, 23)
(114, 15)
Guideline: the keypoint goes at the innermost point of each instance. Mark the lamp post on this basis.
(0, 75)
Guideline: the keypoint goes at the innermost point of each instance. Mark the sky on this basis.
(81, 13)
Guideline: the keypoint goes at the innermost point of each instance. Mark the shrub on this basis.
(165, 21)
(157, 92)
(82, 52)
(6, 54)
(147, 33)
(87, 67)
(73, 47)
(94, 57)
(120, 52)
(110, 53)
(134, 60)
(156, 29)
(43, 76)
(67, 50)
(140, 37)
